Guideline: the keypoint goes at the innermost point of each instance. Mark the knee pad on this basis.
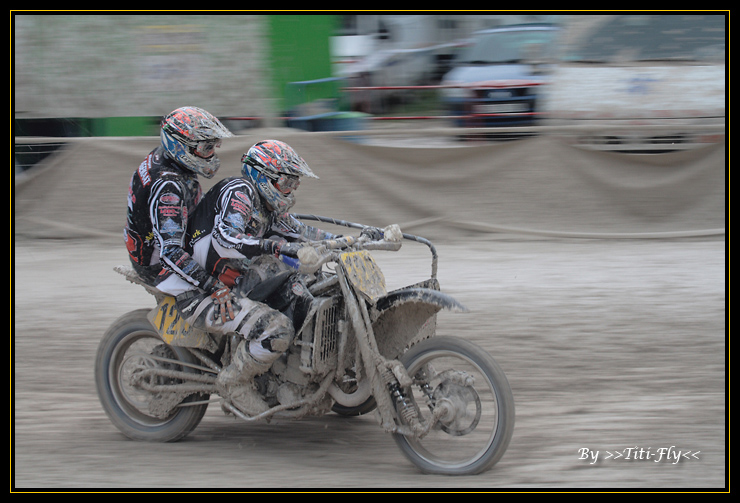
(268, 329)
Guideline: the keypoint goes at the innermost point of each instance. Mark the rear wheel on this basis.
(464, 381)
(130, 346)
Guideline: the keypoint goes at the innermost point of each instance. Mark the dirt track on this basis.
(609, 345)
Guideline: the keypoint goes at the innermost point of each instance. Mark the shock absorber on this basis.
(406, 408)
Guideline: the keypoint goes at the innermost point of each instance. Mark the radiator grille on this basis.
(319, 344)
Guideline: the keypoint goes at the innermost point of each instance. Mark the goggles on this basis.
(206, 149)
(286, 183)
(281, 181)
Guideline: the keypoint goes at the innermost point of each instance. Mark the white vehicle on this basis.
(640, 83)
(499, 76)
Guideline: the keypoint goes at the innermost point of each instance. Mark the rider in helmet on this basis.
(163, 192)
(275, 169)
(243, 218)
(241, 233)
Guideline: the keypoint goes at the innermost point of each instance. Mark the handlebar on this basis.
(315, 254)
(375, 245)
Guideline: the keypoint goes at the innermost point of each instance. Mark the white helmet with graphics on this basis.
(190, 136)
(276, 169)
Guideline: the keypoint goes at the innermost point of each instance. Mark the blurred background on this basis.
(506, 139)
(117, 74)
(579, 122)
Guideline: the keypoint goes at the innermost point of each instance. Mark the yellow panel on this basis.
(364, 274)
(173, 329)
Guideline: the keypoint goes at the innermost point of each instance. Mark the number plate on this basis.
(502, 108)
(173, 329)
(364, 274)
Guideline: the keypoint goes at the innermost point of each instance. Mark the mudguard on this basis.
(409, 315)
(419, 295)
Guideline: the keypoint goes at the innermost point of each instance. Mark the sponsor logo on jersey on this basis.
(169, 198)
(144, 171)
(170, 227)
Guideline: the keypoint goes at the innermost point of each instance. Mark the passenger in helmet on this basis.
(163, 192)
(242, 234)
(190, 136)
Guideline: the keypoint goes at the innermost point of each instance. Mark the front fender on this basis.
(419, 295)
(408, 315)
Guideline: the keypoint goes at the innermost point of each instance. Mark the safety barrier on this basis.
(538, 186)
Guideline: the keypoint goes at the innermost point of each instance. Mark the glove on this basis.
(223, 305)
(373, 233)
(272, 246)
(290, 249)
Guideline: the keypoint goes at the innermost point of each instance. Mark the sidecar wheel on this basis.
(478, 424)
(126, 405)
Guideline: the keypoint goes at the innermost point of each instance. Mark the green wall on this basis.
(299, 51)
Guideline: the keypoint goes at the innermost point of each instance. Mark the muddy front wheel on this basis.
(472, 397)
(129, 346)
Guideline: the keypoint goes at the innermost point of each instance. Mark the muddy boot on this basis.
(237, 382)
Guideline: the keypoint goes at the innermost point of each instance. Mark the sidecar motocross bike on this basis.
(361, 349)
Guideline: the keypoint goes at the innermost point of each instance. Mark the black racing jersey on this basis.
(161, 198)
(238, 222)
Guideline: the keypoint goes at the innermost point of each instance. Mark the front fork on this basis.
(389, 377)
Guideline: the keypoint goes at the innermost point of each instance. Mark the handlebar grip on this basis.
(342, 242)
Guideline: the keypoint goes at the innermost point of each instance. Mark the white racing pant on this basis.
(267, 332)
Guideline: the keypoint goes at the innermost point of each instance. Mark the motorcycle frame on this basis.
(387, 376)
